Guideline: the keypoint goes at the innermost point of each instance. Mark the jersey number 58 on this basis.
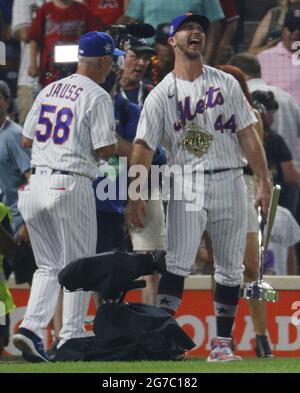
(59, 130)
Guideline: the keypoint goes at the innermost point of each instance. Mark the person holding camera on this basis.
(133, 84)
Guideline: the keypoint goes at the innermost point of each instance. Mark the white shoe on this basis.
(221, 351)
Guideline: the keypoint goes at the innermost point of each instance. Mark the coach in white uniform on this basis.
(200, 115)
(70, 124)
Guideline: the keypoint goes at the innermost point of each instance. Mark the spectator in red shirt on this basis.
(59, 21)
(109, 11)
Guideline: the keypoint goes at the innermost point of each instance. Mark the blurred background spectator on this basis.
(268, 32)
(24, 11)
(286, 120)
(56, 22)
(227, 29)
(279, 157)
(164, 52)
(285, 235)
(6, 248)
(107, 11)
(5, 19)
(277, 66)
(156, 12)
(134, 85)
(14, 159)
(9, 73)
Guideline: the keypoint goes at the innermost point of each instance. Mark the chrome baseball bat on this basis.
(260, 289)
(265, 234)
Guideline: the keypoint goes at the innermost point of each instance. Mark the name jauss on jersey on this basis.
(214, 98)
(69, 92)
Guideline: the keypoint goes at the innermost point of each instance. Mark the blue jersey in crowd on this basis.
(14, 162)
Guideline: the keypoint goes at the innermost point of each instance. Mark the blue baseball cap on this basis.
(292, 17)
(97, 44)
(188, 16)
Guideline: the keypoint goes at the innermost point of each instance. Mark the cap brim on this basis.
(201, 19)
(118, 52)
(292, 23)
(143, 49)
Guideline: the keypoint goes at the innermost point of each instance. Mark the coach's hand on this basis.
(137, 211)
(23, 236)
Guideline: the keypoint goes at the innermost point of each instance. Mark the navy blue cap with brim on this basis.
(292, 17)
(139, 45)
(98, 44)
(188, 17)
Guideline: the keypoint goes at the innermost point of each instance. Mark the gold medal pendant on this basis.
(195, 139)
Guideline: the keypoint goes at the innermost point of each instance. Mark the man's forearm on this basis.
(214, 35)
(140, 162)
(256, 157)
(124, 148)
(141, 156)
(34, 49)
(254, 152)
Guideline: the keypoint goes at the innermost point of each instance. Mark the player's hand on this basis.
(137, 211)
(263, 195)
(23, 236)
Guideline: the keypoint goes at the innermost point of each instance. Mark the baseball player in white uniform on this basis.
(202, 118)
(70, 124)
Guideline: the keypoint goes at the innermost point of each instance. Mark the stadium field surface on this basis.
(195, 365)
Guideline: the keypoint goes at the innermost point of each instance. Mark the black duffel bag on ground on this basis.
(123, 331)
(134, 331)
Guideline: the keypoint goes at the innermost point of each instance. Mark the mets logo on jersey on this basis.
(214, 97)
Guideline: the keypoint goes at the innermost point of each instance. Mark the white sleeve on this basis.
(244, 115)
(21, 15)
(102, 123)
(151, 124)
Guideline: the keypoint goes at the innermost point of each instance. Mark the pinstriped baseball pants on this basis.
(223, 215)
(60, 214)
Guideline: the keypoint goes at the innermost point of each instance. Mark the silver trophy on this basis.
(260, 289)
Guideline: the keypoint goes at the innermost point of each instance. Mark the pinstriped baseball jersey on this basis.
(222, 212)
(227, 112)
(69, 120)
(60, 142)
